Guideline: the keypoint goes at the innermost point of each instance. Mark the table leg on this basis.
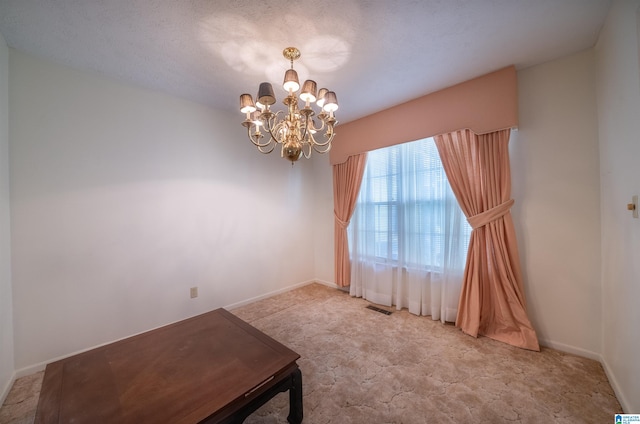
(295, 398)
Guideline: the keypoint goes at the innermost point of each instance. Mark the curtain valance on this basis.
(484, 104)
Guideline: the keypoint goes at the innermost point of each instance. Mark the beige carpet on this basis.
(360, 366)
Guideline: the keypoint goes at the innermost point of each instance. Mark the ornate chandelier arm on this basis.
(328, 121)
(322, 119)
(267, 150)
(306, 149)
(323, 146)
(272, 124)
(263, 147)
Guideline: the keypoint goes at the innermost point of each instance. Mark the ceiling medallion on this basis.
(295, 130)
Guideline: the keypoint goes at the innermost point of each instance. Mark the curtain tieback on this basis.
(343, 224)
(483, 218)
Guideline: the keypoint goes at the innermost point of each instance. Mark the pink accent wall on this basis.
(484, 104)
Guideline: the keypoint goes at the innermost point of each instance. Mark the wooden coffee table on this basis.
(212, 368)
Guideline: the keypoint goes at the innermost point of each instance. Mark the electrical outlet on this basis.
(194, 292)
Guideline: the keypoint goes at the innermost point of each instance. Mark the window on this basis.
(406, 212)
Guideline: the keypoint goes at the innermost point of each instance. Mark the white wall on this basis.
(323, 224)
(6, 309)
(618, 83)
(124, 198)
(555, 175)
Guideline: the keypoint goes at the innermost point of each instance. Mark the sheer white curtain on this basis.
(408, 237)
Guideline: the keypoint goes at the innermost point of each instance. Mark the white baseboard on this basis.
(571, 349)
(7, 388)
(280, 291)
(328, 284)
(626, 408)
(270, 294)
(42, 365)
(624, 402)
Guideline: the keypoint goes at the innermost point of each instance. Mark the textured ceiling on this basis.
(373, 53)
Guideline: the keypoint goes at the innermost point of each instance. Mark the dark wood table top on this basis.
(180, 373)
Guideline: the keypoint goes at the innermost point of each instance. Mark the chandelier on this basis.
(295, 129)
